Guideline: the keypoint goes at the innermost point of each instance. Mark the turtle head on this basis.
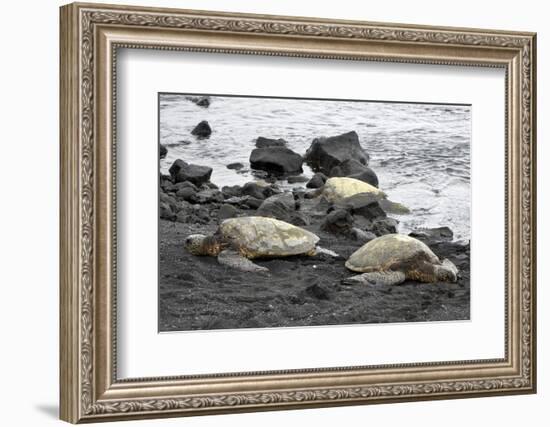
(447, 271)
(195, 244)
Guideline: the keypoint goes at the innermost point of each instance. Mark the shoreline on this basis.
(415, 150)
(341, 204)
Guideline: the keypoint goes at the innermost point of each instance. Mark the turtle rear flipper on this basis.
(385, 278)
(322, 251)
(235, 260)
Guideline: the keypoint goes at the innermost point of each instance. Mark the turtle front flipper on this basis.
(393, 207)
(234, 259)
(447, 271)
(386, 278)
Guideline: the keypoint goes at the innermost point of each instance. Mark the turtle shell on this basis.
(260, 237)
(336, 189)
(392, 252)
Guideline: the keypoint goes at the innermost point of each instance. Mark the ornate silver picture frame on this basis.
(91, 35)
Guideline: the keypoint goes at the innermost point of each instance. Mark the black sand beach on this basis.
(199, 293)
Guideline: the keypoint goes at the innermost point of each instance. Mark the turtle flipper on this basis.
(447, 271)
(322, 251)
(386, 278)
(235, 260)
(393, 207)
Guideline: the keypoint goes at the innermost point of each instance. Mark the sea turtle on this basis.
(338, 188)
(238, 240)
(394, 258)
(342, 189)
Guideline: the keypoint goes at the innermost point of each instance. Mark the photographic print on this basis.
(282, 212)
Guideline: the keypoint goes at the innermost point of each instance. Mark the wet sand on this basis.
(197, 293)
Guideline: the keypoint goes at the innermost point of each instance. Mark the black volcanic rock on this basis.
(280, 206)
(209, 196)
(276, 160)
(339, 221)
(351, 168)
(317, 180)
(182, 171)
(235, 166)
(202, 130)
(166, 212)
(227, 211)
(363, 204)
(326, 153)
(232, 191)
(256, 190)
(201, 101)
(187, 193)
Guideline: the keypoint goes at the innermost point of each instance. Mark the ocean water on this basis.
(420, 152)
